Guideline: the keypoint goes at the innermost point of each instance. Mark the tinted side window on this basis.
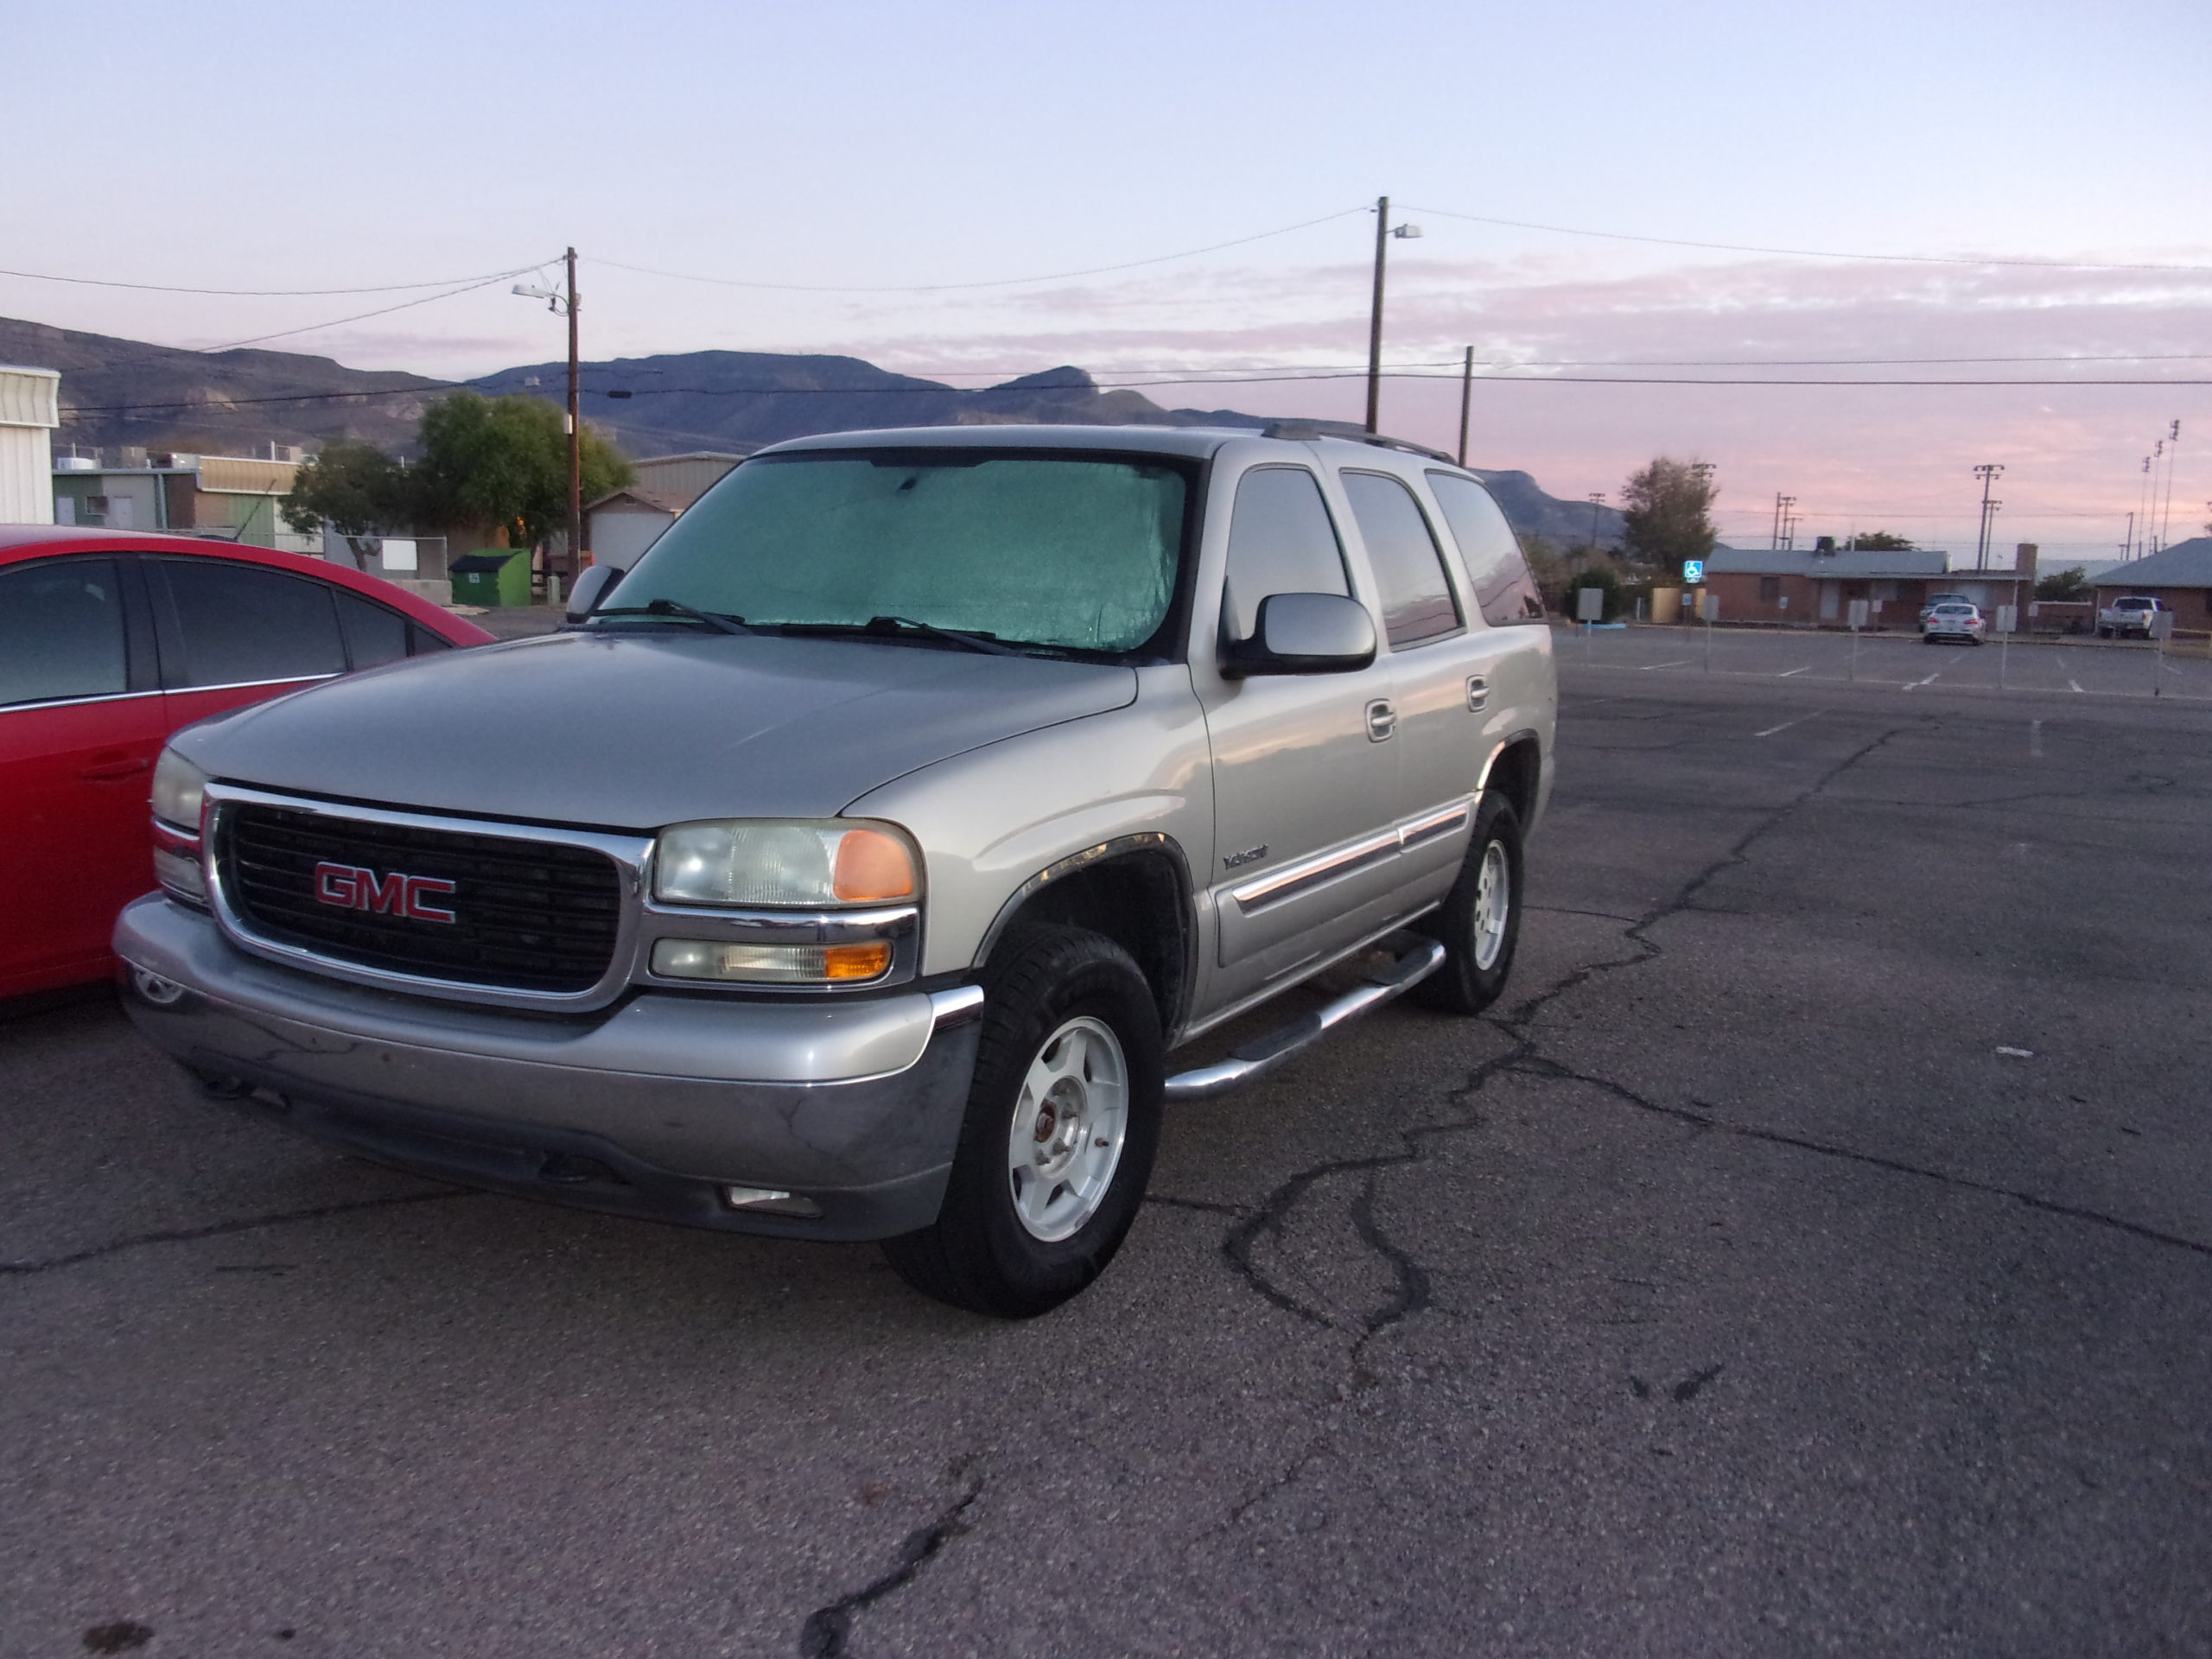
(422, 641)
(1280, 541)
(242, 623)
(60, 631)
(1417, 603)
(373, 635)
(1503, 590)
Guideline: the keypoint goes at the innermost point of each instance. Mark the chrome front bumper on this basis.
(658, 1107)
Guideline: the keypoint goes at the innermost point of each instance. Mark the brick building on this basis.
(1813, 587)
(2180, 578)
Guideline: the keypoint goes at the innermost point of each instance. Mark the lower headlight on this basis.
(179, 875)
(772, 965)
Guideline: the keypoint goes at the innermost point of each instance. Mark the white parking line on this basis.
(1914, 684)
(2074, 685)
(1786, 674)
(1787, 724)
(1645, 668)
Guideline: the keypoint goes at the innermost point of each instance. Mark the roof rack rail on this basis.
(1312, 431)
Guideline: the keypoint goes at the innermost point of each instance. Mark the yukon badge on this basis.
(1237, 861)
(349, 887)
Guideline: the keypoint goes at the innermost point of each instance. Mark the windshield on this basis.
(1031, 547)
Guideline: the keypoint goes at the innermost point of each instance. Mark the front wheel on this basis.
(1480, 921)
(1063, 1121)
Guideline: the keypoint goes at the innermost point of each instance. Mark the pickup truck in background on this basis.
(852, 867)
(2128, 615)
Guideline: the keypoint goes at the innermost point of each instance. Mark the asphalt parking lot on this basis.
(1813, 1255)
(2079, 666)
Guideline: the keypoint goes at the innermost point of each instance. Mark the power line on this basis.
(998, 281)
(334, 322)
(1808, 253)
(267, 293)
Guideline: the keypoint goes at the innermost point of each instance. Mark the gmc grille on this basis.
(529, 915)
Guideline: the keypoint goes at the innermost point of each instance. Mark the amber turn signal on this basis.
(871, 866)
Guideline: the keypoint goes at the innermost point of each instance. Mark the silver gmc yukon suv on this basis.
(853, 867)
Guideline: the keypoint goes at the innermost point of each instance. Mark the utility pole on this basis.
(2127, 546)
(1597, 501)
(1466, 395)
(1987, 473)
(2166, 513)
(2143, 504)
(1383, 231)
(1782, 505)
(579, 555)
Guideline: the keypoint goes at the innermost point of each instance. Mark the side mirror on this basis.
(591, 587)
(1305, 633)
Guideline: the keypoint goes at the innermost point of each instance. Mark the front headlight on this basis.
(776, 864)
(178, 788)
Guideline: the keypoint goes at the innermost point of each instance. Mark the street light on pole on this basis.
(1597, 501)
(1383, 231)
(565, 304)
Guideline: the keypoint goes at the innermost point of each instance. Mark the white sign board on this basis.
(1710, 608)
(2008, 619)
(2162, 624)
(397, 553)
(1858, 613)
(1589, 604)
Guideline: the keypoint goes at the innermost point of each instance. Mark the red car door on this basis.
(81, 722)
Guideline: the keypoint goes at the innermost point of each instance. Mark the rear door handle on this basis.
(107, 771)
(1478, 693)
(1382, 721)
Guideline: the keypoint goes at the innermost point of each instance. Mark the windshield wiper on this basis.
(676, 607)
(898, 627)
(981, 642)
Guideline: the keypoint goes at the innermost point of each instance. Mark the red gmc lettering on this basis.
(349, 886)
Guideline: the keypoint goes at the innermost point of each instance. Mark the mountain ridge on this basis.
(118, 392)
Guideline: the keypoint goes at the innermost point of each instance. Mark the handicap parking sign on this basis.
(1693, 571)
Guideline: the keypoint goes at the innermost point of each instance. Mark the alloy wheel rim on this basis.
(1070, 1117)
(1493, 905)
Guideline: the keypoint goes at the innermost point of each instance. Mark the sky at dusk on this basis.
(853, 175)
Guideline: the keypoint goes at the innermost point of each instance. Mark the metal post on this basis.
(1854, 656)
(1466, 395)
(1374, 319)
(2004, 654)
(578, 555)
(1987, 474)
(1708, 642)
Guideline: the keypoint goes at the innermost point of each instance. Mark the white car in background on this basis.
(1952, 620)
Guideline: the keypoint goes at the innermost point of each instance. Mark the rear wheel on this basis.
(1480, 921)
(1063, 1121)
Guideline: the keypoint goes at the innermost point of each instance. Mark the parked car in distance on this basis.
(1955, 620)
(2129, 614)
(1934, 600)
(109, 642)
(857, 865)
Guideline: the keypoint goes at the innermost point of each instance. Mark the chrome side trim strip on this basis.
(70, 702)
(1294, 879)
(1418, 958)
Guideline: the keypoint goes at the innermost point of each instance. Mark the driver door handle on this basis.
(108, 771)
(1382, 721)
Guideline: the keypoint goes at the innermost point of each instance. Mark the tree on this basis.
(2063, 585)
(1879, 541)
(354, 488)
(1665, 515)
(505, 460)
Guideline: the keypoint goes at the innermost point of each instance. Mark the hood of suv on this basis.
(636, 730)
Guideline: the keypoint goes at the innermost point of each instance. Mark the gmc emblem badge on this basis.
(351, 888)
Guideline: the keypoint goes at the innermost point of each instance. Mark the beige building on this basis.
(623, 524)
(237, 498)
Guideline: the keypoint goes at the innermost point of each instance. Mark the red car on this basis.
(109, 642)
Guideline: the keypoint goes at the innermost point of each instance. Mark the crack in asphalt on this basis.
(222, 1229)
(827, 1629)
(1267, 1222)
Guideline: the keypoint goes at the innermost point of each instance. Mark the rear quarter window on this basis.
(1504, 590)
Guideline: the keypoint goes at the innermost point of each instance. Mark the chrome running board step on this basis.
(1418, 958)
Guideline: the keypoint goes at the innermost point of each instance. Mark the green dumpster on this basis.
(492, 575)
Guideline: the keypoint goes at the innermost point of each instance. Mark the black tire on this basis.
(1465, 984)
(979, 1253)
